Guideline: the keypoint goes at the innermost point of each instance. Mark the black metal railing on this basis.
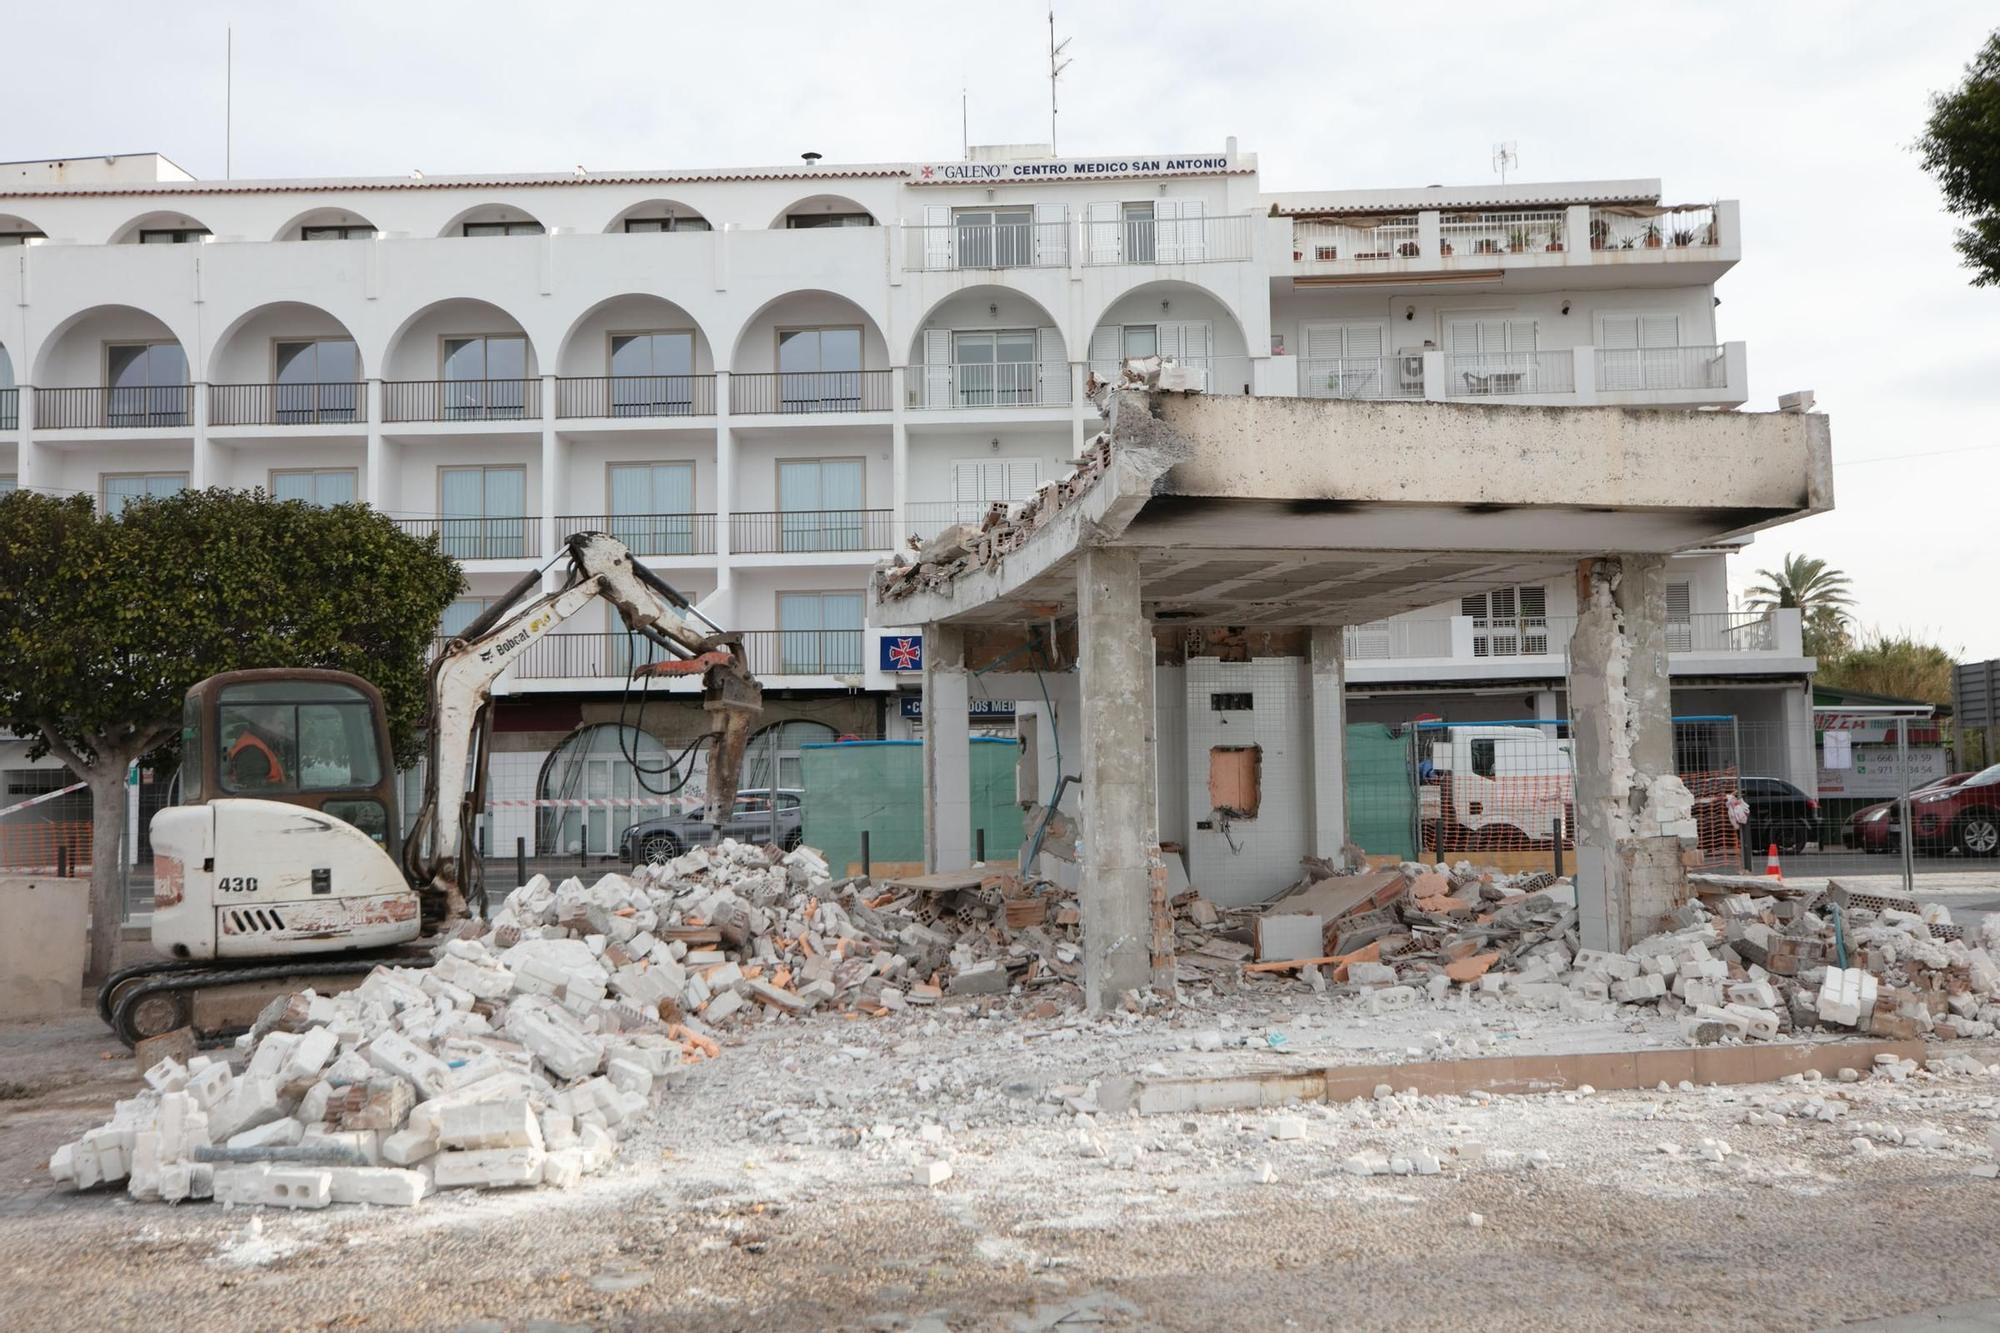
(812, 530)
(461, 400)
(649, 534)
(811, 391)
(10, 408)
(636, 396)
(479, 538)
(287, 404)
(136, 407)
(803, 652)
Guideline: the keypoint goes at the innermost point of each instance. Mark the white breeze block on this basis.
(1760, 994)
(252, 1101)
(562, 1168)
(1846, 995)
(487, 979)
(555, 1037)
(210, 1085)
(274, 1186)
(169, 1075)
(406, 1147)
(501, 1124)
(1760, 1023)
(1614, 965)
(376, 1184)
(631, 1076)
(270, 1055)
(393, 1053)
(487, 1167)
(1633, 990)
(308, 1055)
(722, 1006)
(271, 1134)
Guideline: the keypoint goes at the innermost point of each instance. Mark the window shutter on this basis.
(1678, 608)
(1172, 345)
(1167, 232)
(1051, 370)
(1364, 340)
(937, 367)
(1104, 344)
(1680, 617)
(1193, 228)
(1461, 335)
(1322, 342)
(1520, 334)
(1618, 332)
(1534, 602)
(1052, 234)
(1473, 607)
(1659, 330)
(1658, 336)
(1101, 222)
(937, 236)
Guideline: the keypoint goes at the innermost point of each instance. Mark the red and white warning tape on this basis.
(37, 800)
(590, 802)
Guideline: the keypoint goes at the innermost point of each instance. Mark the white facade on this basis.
(767, 379)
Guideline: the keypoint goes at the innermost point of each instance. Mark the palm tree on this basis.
(1821, 594)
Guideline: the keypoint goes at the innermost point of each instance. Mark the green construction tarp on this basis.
(878, 786)
(1381, 805)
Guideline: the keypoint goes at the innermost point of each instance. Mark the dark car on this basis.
(1868, 827)
(1966, 816)
(658, 840)
(1779, 813)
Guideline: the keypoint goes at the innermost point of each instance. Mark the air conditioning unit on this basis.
(1410, 370)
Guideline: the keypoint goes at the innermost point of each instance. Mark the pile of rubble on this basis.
(1745, 958)
(518, 1056)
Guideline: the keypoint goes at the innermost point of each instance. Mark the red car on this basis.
(1868, 828)
(1966, 816)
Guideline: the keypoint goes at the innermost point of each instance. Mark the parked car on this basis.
(1868, 827)
(662, 839)
(1966, 817)
(1780, 813)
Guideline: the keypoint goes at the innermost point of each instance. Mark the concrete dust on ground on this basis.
(777, 1187)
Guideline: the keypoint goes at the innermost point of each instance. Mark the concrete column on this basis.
(29, 471)
(947, 751)
(1545, 708)
(377, 488)
(899, 466)
(1327, 662)
(201, 466)
(552, 470)
(725, 481)
(1801, 764)
(1631, 810)
(1120, 814)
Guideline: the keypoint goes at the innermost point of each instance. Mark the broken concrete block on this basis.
(407, 1147)
(722, 1006)
(393, 1053)
(989, 977)
(498, 1124)
(562, 1168)
(555, 1036)
(384, 1185)
(261, 1183)
(308, 1055)
(270, 1134)
(1845, 995)
(252, 1101)
(629, 1075)
(487, 1168)
(931, 1174)
(379, 1104)
(1637, 990)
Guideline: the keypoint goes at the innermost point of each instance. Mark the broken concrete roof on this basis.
(1265, 511)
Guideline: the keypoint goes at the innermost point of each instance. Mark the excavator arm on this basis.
(438, 854)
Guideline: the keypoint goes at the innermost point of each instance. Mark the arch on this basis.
(685, 217)
(973, 308)
(754, 348)
(584, 350)
(415, 350)
(1180, 304)
(1022, 359)
(161, 220)
(821, 206)
(323, 217)
(242, 353)
(772, 757)
(601, 754)
(72, 356)
(14, 227)
(482, 214)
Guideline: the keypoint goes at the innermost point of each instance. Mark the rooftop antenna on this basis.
(1056, 66)
(228, 103)
(1505, 155)
(964, 125)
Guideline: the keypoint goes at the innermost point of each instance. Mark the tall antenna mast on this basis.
(228, 103)
(964, 124)
(1056, 66)
(1505, 156)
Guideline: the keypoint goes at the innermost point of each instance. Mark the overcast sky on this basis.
(1804, 111)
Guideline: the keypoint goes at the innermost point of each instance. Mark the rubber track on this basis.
(194, 980)
(125, 974)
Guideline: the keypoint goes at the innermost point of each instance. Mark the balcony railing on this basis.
(614, 656)
(927, 518)
(10, 408)
(1673, 229)
(153, 405)
(480, 538)
(984, 245)
(994, 384)
(1483, 638)
(811, 391)
(1389, 640)
(636, 396)
(461, 400)
(1323, 241)
(1362, 376)
(1213, 374)
(1724, 632)
(804, 531)
(649, 534)
(1504, 232)
(1203, 240)
(1631, 368)
(287, 404)
(803, 652)
(1494, 374)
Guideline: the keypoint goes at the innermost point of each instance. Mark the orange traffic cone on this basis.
(1771, 866)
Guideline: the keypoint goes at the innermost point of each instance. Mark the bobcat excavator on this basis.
(284, 862)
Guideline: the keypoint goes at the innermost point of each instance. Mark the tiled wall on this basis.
(1268, 847)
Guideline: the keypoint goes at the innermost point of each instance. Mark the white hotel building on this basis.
(766, 379)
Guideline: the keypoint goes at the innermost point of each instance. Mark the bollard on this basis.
(520, 861)
(1559, 846)
(864, 854)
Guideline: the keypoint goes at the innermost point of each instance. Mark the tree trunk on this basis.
(107, 881)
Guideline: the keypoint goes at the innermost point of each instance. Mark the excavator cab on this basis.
(318, 739)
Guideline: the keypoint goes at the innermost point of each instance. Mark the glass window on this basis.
(8, 483)
(666, 224)
(1139, 233)
(1141, 340)
(20, 237)
(994, 367)
(316, 486)
(148, 384)
(6, 370)
(122, 489)
(809, 221)
(484, 511)
(820, 633)
(652, 374)
(460, 614)
(819, 370)
(318, 380)
(171, 235)
(1482, 758)
(289, 736)
(820, 504)
(502, 229)
(360, 231)
(485, 374)
(652, 507)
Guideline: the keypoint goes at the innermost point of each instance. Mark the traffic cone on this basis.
(1771, 866)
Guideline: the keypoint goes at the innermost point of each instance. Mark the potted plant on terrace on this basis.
(1600, 233)
(1519, 239)
(1651, 233)
(1682, 237)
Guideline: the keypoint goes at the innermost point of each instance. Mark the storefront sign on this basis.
(1066, 169)
(1876, 774)
(902, 652)
(913, 707)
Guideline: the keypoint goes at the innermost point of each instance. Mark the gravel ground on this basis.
(774, 1189)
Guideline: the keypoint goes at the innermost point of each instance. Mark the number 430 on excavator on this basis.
(285, 861)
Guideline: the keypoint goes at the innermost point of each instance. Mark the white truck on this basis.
(1499, 786)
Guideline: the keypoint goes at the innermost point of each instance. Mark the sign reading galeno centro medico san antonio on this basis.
(1067, 169)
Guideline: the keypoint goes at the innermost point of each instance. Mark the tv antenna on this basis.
(1505, 155)
(228, 103)
(1056, 66)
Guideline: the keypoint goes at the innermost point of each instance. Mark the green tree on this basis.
(1961, 148)
(1821, 594)
(105, 622)
(1900, 665)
